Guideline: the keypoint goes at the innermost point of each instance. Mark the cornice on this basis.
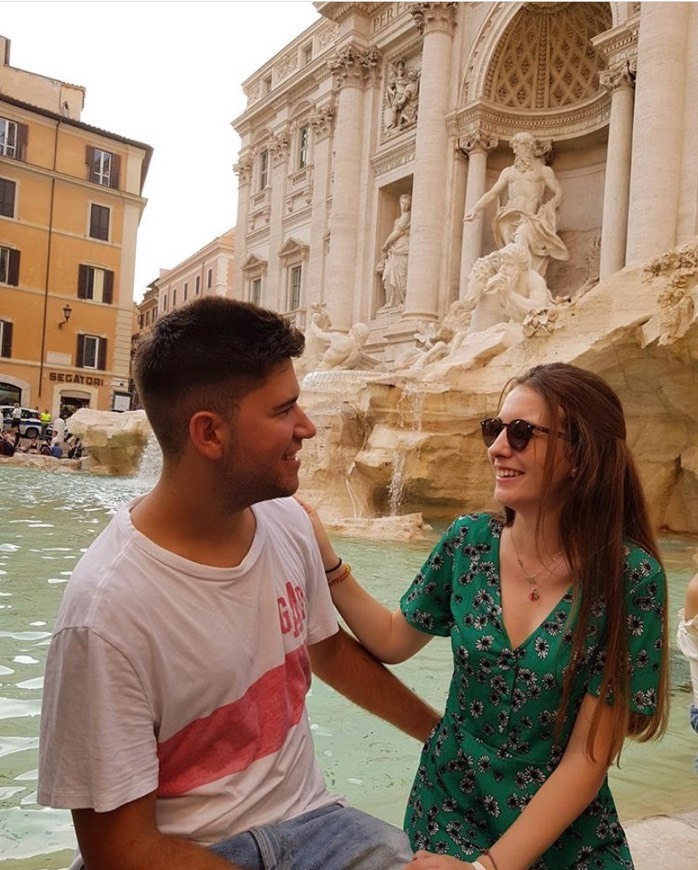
(339, 12)
(392, 158)
(619, 43)
(500, 121)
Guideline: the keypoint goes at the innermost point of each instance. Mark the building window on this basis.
(5, 338)
(164, 302)
(266, 85)
(13, 139)
(263, 169)
(294, 287)
(99, 222)
(91, 352)
(146, 318)
(186, 290)
(307, 53)
(303, 146)
(256, 291)
(155, 313)
(209, 279)
(174, 298)
(9, 267)
(103, 167)
(197, 286)
(96, 284)
(8, 190)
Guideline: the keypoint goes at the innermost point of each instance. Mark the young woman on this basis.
(687, 638)
(556, 614)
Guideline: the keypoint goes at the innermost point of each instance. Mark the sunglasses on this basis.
(519, 432)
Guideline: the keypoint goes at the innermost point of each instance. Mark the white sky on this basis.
(168, 74)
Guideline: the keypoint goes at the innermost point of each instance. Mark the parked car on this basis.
(29, 424)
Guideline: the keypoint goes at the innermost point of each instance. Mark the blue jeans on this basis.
(332, 838)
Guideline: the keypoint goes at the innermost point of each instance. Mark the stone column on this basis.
(620, 80)
(276, 279)
(428, 223)
(476, 145)
(243, 170)
(655, 180)
(352, 68)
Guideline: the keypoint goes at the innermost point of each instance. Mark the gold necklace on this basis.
(533, 593)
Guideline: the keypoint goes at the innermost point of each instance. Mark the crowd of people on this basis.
(174, 724)
(59, 444)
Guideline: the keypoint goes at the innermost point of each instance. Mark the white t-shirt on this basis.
(170, 675)
(687, 639)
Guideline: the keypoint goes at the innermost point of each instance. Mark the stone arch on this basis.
(501, 27)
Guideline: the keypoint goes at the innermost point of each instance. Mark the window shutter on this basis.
(22, 136)
(108, 289)
(13, 268)
(102, 354)
(82, 281)
(6, 349)
(90, 160)
(80, 351)
(115, 167)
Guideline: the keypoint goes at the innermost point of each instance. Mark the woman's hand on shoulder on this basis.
(429, 861)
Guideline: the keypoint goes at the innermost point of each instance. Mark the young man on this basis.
(174, 722)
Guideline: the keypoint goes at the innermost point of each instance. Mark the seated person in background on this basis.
(45, 449)
(688, 642)
(32, 447)
(56, 450)
(174, 723)
(7, 447)
(74, 448)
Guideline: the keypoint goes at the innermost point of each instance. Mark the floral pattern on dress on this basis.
(495, 746)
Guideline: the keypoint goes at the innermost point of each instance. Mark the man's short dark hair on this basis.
(206, 356)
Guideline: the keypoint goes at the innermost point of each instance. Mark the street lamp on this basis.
(67, 311)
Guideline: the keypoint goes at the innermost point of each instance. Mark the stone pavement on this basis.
(665, 841)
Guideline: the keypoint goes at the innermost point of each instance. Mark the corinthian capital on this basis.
(477, 140)
(433, 16)
(278, 147)
(321, 121)
(243, 169)
(354, 66)
(621, 75)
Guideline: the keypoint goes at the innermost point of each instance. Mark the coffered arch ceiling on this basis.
(545, 58)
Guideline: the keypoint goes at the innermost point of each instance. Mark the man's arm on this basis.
(127, 839)
(341, 662)
(494, 193)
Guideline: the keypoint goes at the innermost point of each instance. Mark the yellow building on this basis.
(70, 204)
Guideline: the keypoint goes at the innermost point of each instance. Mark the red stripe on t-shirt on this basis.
(234, 736)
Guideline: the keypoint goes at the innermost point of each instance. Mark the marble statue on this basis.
(343, 350)
(393, 263)
(526, 218)
(401, 96)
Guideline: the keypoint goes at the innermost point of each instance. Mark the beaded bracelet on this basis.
(477, 865)
(340, 577)
(334, 568)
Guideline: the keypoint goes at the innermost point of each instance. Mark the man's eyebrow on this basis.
(287, 403)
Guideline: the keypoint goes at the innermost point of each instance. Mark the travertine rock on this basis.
(115, 441)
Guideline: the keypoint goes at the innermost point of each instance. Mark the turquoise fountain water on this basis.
(46, 523)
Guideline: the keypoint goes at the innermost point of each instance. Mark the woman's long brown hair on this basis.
(603, 505)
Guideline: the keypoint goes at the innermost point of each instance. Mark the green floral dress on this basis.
(494, 747)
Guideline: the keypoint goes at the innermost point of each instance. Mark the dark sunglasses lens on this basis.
(491, 427)
(519, 434)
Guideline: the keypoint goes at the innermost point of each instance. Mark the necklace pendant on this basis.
(534, 594)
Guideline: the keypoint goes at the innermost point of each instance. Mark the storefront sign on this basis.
(69, 378)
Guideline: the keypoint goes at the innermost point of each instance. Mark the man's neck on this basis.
(189, 523)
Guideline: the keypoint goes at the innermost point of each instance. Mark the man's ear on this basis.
(209, 434)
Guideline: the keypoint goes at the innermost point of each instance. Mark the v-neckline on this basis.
(561, 600)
